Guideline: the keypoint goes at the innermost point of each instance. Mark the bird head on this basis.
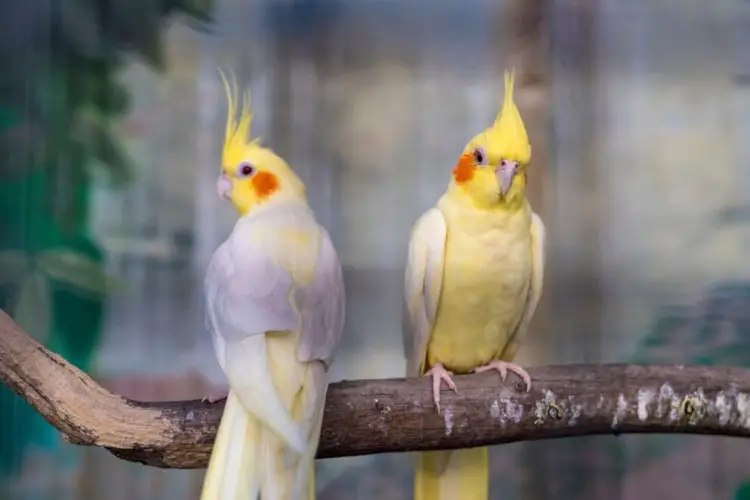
(492, 168)
(251, 175)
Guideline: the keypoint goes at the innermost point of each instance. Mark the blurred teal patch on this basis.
(714, 330)
(742, 492)
(9, 118)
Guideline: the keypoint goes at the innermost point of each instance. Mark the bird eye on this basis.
(480, 158)
(245, 170)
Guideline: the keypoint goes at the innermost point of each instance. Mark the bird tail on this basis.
(233, 469)
(450, 475)
(248, 460)
(286, 476)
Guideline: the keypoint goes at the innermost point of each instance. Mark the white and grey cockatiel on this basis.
(275, 309)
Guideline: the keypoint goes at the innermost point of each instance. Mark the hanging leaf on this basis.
(199, 10)
(135, 25)
(79, 28)
(94, 134)
(110, 99)
(77, 270)
(111, 154)
(32, 308)
(95, 88)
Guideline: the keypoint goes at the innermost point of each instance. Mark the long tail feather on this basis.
(450, 475)
(282, 480)
(249, 460)
(247, 369)
(289, 476)
(233, 468)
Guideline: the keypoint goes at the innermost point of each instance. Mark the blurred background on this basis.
(111, 116)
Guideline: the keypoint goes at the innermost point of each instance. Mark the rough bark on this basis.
(378, 416)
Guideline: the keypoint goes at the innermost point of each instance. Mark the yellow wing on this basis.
(423, 282)
(538, 239)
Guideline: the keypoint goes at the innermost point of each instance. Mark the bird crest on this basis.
(237, 135)
(508, 129)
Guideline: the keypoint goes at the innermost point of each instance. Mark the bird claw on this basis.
(504, 367)
(213, 397)
(440, 374)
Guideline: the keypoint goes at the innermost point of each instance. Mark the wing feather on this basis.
(322, 306)
(423, 280)
(246, 292)
(249, 290)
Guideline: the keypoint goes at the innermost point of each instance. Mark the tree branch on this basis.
(377, 416)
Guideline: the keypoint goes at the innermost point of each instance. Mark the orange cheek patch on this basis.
(464, 170)
(265, 184)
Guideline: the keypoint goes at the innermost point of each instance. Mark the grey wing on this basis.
(246, 292)
(321, 306)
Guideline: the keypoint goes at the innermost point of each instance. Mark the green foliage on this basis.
(743, 491)
(61, 97)
(59, 102)
(31, 277)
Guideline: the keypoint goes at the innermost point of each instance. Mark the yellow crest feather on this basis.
(509, 127)
(237, 134)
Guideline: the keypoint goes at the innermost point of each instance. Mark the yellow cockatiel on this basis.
(473, 281)
(275, 310)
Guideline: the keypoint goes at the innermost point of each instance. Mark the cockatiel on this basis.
(472, 283)
(275, 309)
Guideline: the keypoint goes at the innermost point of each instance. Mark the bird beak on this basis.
(505, 172)
(224, 186)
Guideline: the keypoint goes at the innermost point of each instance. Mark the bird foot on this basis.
(440, 374)
(504, 367)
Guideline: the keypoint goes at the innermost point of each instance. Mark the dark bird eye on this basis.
(479, 157)
(245, 170)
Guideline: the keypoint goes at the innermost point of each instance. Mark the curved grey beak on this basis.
(223, 186)
(505, 172)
